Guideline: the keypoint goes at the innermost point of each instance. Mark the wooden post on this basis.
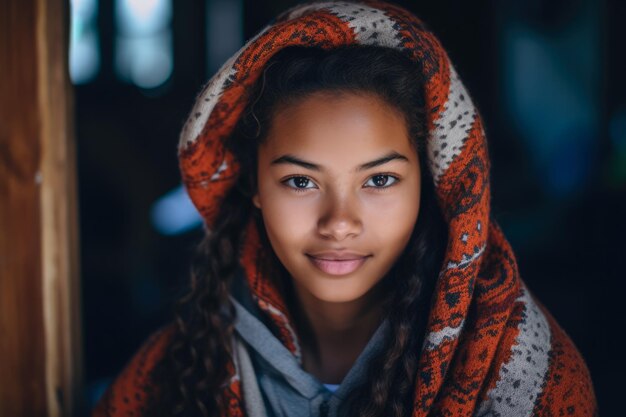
(40, 341)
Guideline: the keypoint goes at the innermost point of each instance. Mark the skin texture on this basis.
(321, 199)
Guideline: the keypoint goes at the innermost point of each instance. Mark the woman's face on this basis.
(339, 192)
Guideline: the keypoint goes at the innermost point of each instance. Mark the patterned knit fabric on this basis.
(490, 348)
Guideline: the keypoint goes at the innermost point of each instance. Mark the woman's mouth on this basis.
(338, 265)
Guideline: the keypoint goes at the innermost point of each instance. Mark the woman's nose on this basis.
(340, 218)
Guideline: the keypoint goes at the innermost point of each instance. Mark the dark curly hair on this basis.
(193, 374)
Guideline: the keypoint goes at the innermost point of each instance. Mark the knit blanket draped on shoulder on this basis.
(490, 347)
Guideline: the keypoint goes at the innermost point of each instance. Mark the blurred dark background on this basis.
(547, 76)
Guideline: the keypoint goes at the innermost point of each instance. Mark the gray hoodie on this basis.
(273, 382)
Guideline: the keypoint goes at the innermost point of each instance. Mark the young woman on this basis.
(350, 265)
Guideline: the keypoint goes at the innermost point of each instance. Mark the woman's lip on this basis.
(337, 255)
(338, 266)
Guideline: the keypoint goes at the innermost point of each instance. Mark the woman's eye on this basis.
(381, 181)
(300, 183)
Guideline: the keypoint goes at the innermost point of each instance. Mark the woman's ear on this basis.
(256, 201)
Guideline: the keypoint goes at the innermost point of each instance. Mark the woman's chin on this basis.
(337, 292)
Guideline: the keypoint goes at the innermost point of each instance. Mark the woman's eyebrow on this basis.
(290, 159)
(383, 160)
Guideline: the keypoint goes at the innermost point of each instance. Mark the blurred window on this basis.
(84, 41)
(143, 45)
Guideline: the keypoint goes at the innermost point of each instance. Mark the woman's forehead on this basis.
(338, 126)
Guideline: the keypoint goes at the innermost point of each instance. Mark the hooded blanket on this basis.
(490, 348)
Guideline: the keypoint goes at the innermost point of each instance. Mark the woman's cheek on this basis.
(397, 205)
(392, 216)
(289, 216)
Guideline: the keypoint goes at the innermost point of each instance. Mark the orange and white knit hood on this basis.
(490, 349)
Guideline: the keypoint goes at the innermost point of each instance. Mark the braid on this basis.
(193, 374)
